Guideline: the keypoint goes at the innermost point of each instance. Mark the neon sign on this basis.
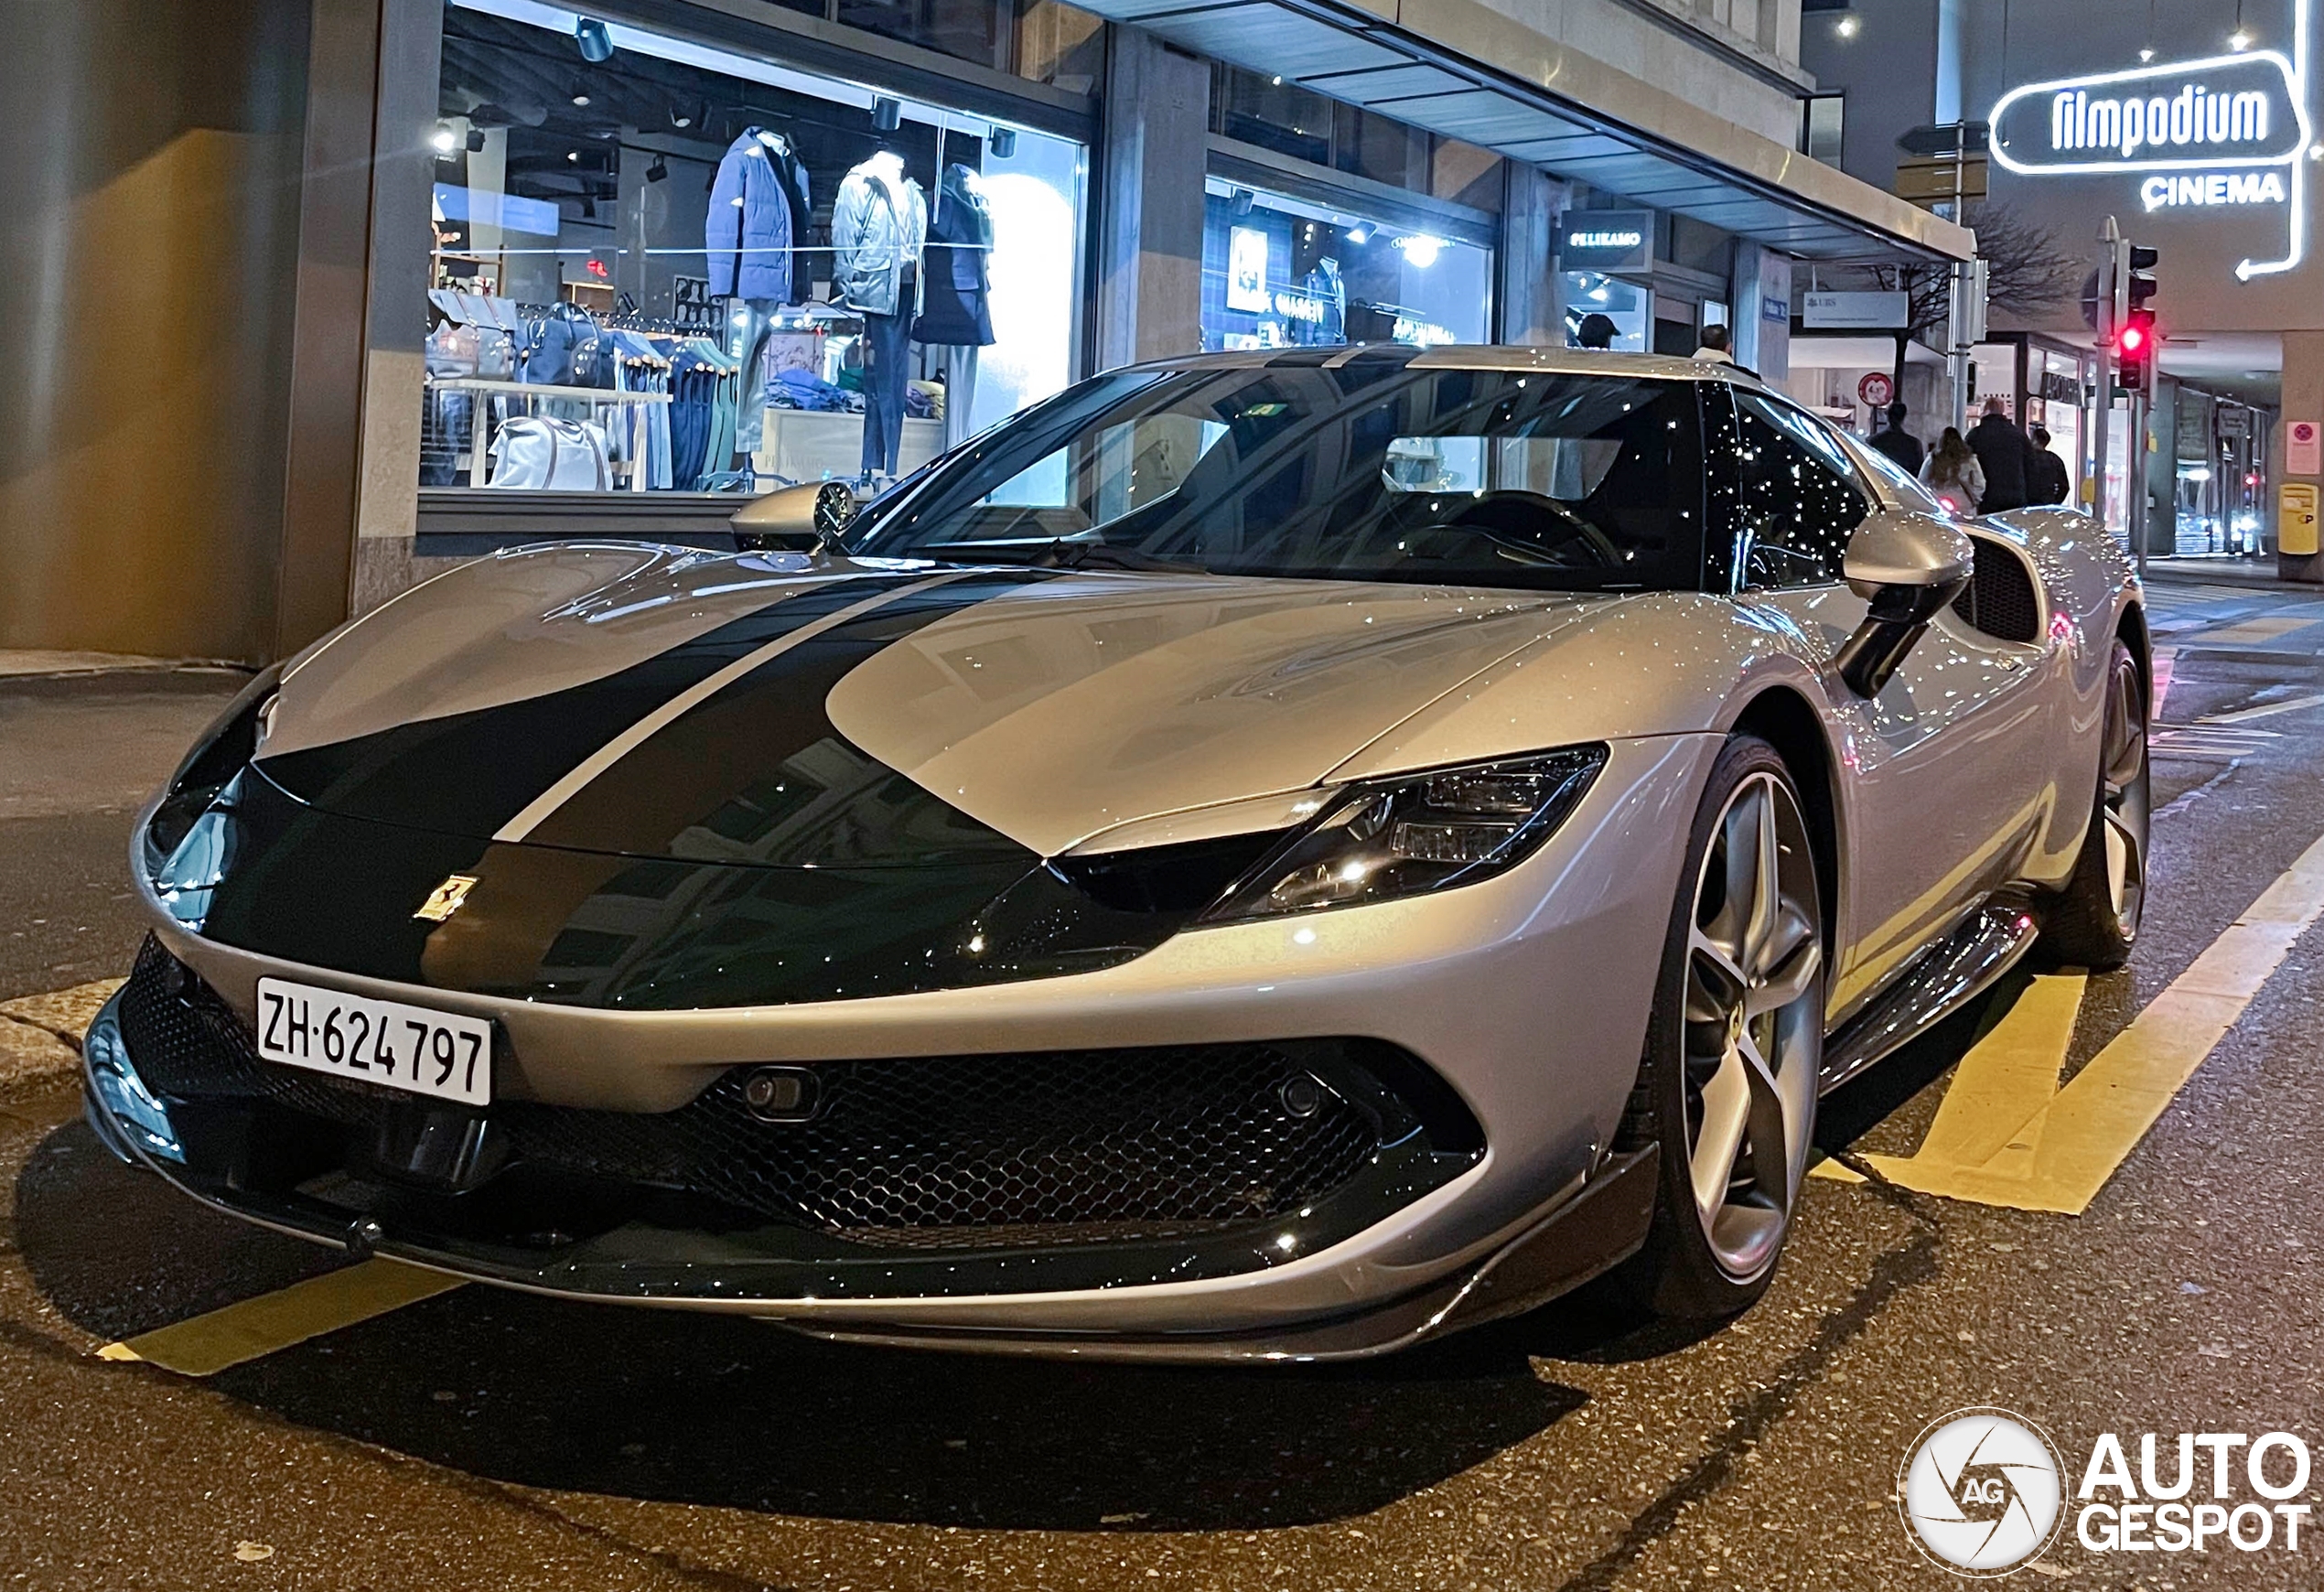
(2224, 130)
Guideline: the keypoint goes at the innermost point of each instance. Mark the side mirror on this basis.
(807, 518)
(1908, 566)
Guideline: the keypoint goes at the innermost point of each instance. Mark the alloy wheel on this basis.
(1754, 1021)
(2122, 793)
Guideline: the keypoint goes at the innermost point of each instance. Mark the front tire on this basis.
(1734, 1046)
(2093, 921)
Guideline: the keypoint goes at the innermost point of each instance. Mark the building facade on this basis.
(414, 279)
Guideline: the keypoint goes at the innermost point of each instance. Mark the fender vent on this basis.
(1999, 599)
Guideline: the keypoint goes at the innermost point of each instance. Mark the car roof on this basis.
(1464, 357)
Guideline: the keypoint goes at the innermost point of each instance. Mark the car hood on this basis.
(773, 711)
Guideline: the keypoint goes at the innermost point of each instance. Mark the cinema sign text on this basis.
(2242, 112)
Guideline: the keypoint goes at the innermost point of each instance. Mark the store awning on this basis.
(1425, 62)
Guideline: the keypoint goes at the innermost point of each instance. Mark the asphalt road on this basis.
(483, 1439)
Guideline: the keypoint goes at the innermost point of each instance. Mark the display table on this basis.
(814, 445)
(498, 387)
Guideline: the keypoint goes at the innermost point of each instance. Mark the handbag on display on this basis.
(554, 343)
(550, 455)
(452, 350)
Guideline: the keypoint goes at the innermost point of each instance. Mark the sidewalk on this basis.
(2258, 573)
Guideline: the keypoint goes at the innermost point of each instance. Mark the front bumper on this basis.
(1526, 995)
(239, 1156)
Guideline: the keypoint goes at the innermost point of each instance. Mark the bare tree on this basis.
(2027, 273)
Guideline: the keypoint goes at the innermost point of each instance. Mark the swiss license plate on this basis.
(388, 1043)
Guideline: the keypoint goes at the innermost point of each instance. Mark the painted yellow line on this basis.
(2265, 630)
(2060, 1154)
(206, 1345)
(2267, 710)
(2001, 1082)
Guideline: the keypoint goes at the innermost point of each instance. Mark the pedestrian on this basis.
(2050, 483)
(1716, 345)
(1951, 471)
(1598, 331)
(1897, 443)
(2006, 455)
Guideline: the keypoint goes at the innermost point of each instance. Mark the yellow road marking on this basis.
(2265, 630)
(2064, 1144)
(2268, 710)
(208, 1344)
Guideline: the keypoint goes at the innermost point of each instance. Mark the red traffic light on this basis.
(2132, 339)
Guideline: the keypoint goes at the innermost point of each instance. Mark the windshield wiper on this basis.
(1061, 554)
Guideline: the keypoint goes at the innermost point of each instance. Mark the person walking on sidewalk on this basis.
(2006, 455)
(1953, 473)
(1897, 443)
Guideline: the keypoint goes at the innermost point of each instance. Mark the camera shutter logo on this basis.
(1981, 1491)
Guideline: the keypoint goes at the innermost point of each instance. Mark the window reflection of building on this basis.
(1280, 272)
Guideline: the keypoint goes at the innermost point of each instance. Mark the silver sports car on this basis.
(1276, 854)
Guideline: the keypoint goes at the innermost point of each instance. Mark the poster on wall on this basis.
(692, 308)
(2303, 449)
(1247, 269)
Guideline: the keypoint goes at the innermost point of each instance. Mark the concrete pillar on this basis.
(1158, 120)
(150, 188)
(402, 178)
(1532, 310)
(1761, 311)
(2303, 400)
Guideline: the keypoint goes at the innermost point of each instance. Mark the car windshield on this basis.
(1372, 470)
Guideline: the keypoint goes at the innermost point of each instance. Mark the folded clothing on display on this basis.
(797, 389)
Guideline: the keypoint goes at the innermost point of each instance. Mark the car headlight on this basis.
(1416, 834)
(224, 750)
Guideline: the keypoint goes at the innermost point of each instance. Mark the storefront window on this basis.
(1606, 312)
(688, 270)
(1279, 272)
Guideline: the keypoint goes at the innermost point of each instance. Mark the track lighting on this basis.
(1244, 200)
(886, 114)
(1003, 142)
(580, 93)
(443, 139)
(476, 141)
(595, 40)
(659, 170)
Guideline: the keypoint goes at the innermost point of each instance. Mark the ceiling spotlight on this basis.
(2147, 55)
(1848, 27)
(580, 93)
(476, 141)
(1244, 200)
(1003, 142)
(2239, 40)
(886, 114)
(1358, 233)
(659, 170)
(444, 140)
(682, 116)
(573, 155)
(595, 40)
(1277, 82)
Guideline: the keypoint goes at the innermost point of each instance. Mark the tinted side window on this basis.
(1796, 498)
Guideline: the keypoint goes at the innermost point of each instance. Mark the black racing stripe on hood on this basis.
(588, 928)
(758, 775)
(470, 773)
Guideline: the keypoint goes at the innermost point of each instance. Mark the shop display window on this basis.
(681, 269)
(1626, 309)
(1279, 272)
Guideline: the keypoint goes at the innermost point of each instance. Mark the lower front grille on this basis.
(1022, 1150)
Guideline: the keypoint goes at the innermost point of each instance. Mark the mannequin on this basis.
(956, 313)
(755, 227)
(1326, 286)
(878, 231)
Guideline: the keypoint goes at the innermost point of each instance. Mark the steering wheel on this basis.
(1511, 518)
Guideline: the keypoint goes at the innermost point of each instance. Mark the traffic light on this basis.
(2142, 275)
(2134, 351)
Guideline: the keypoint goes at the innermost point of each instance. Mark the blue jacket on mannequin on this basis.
(759, 209)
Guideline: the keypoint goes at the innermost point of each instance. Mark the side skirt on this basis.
(1954, 971)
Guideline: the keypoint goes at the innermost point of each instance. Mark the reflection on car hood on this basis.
(763, 710)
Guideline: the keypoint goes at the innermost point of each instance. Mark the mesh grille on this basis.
(2000, 598)
(1008, 1150)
